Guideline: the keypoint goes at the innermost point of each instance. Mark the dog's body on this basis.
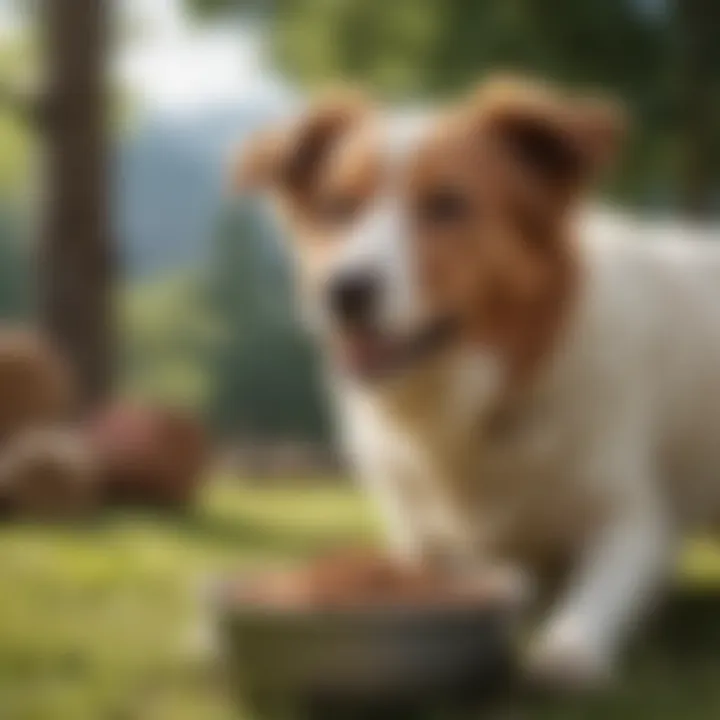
(584, 424)
(610, 456)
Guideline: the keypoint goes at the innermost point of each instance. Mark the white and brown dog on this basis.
(519, 376)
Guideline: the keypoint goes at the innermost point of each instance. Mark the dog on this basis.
(519, 374)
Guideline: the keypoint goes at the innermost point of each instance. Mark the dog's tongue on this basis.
(365, 352)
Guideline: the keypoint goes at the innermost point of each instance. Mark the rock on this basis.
(149, 455)
(35, 384)
(49, 474)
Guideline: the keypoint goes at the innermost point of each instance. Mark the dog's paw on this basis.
(563, 658)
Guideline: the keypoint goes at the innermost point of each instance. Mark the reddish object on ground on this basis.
(48, 474)
(35, 384)
(149, 455)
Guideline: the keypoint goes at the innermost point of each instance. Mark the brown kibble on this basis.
(352, 580)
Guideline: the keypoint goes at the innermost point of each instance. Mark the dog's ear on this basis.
(566, 142)
(255, 165)
(286, 159)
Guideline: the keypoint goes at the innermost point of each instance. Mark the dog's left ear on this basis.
(256, 166)
(564, 141)
(286, 158)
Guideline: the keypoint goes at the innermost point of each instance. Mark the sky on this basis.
(8, 19)
(174, 66)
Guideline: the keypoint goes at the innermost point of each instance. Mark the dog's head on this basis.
(415, 231)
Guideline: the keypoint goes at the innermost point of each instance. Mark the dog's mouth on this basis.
(371, 354)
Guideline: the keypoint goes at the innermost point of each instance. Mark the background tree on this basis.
(263, 370)
(76, 249)
(168, 338)
(698, 85)
(661, 56)
(16, 286)
(16, 275)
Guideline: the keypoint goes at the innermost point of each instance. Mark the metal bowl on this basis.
(293, 662)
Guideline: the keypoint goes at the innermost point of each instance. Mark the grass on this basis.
(95, 621)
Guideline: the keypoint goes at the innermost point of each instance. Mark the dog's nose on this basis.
(353, 296)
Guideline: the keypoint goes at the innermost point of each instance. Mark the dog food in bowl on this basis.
(355, 580)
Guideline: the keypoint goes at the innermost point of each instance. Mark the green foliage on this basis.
(211, 7)
(16, 71)
(434, 48)
(265, 379)
(225, 341)
(166, 336)
(204, 7)
(16, 286)
(17, 67)
(13, 156)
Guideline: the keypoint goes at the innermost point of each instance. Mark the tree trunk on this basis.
(697, 23)
(76, 249)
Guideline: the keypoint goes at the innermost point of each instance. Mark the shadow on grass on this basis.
(672, 673)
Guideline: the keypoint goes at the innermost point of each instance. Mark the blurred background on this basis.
(119, 239)
(199, 280)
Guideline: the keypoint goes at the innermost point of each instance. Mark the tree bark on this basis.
(698, 40)
(76, 249)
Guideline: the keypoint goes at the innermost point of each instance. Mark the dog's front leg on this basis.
(403, 533)
(618, 577)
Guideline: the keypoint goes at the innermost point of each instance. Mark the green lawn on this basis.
(95, 622)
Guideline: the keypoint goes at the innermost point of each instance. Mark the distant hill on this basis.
(170, 184)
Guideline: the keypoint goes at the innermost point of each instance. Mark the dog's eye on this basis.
(338, 209)
(444, 206)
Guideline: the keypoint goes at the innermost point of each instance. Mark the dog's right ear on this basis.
(255, 166)
(287, 159)
(567, 142)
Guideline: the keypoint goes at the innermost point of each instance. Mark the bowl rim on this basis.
(225, 599)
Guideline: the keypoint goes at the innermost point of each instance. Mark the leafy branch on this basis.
(21, 102)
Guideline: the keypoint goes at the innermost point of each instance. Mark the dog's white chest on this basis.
(477, 489)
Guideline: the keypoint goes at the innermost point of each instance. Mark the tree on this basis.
(15, 270)
(168, 337)
(263, 370)
(662, 57)
(76, 249)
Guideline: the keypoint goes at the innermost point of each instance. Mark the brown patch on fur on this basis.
(514, 163)
(322, 170)
(351, 176)
(549, 149)
(257, 164)
(288, 160)
(566, 141)
(347, 181)
(312, 166)
(490, 192)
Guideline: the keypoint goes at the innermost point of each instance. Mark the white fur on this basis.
(379, 241)
(626, 417)
(613, 455)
